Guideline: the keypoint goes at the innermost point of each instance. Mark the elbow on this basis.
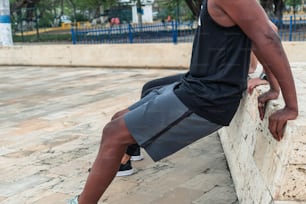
(272, 37)
(266, 38)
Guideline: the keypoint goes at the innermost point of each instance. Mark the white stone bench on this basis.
(265, 171)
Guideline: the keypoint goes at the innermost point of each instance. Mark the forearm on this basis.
(278, 69)
(274, 86)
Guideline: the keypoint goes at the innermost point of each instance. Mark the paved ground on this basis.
(51, 121)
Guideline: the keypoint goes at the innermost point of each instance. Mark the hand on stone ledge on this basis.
(254, 82)
(278, 119)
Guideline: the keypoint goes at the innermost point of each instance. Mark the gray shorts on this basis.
(162, 124)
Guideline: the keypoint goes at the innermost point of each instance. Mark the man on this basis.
(133, 152)
(206, 98)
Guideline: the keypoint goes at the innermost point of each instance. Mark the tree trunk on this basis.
(194, 6)
(5, 24)
(74, 12)
(62, 7)
(279, 6)
(268, 7)
(139, 13)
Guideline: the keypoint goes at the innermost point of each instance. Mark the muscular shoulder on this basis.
(247, 14)
(218, 14)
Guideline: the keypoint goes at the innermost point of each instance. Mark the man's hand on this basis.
(252, 83)
(278, 120)
(263, 99)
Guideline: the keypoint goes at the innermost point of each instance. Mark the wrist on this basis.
(293, 109)
(274, 93)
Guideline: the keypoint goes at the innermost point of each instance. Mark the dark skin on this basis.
(249, 15)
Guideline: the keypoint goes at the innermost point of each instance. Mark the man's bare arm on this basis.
(274, 86)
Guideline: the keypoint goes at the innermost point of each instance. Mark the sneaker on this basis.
(136, 155)
(125, 169)
(73, 200)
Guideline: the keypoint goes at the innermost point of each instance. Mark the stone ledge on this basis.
(165, 55)
(264, 170)
(105, 55)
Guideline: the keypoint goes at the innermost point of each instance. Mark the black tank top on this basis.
(218, 71)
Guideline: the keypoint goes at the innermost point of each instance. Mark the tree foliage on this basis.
(175, 8)
(273, 8)
(293, 2)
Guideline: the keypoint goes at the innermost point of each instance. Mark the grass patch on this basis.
(44, 37)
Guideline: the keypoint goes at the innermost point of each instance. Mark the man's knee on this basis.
(119, 114)
(115, 132)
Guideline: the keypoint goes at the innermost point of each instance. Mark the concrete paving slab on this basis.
(51, 121)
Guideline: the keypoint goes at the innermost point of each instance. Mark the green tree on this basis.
(96, 5)
(294, 4)
(179, 9)
(194, 6)
(274, 8)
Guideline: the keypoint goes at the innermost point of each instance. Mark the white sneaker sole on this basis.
(125, 173)
(137, 158)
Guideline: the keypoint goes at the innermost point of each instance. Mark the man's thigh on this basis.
(163, 124)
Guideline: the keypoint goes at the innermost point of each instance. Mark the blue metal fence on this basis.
(292, 29)
(127, 33)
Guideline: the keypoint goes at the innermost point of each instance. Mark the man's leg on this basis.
(126, 168)
(133, 151)
(115, 139)
(131, 148)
